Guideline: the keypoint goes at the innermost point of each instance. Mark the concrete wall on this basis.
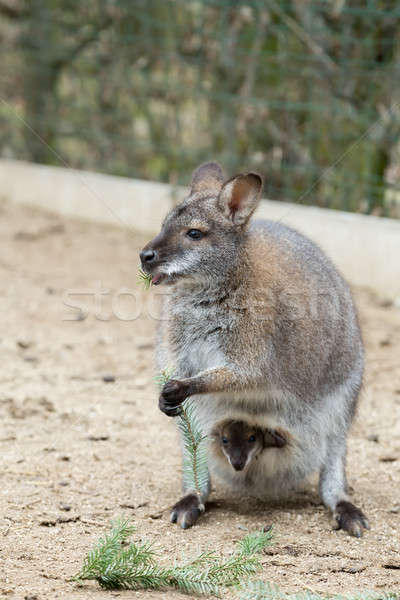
(366, 249)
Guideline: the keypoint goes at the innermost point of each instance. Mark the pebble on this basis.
(24, 344)
(354, 569)
(140, 383)
(108, 378)
(386, 302)
(48, 523)
(30, 358)
(391, 564)
(373, 437)
(145, 346)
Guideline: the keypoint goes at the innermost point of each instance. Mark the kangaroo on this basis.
(258, 324)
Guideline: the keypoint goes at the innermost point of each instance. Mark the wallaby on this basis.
(240, 442)
(258, 324)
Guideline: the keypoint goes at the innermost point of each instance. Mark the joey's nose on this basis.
(238, 465)
(147, 256)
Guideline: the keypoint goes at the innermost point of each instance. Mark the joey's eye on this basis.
(224, 441)
(195, 234)
(252, 439)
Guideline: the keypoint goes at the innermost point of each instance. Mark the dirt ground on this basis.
(78, 449)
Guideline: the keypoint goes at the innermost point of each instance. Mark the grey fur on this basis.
(259, 326)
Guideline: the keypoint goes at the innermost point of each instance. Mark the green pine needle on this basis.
(164, 376)
(254, 543)
(145, 279)
(114, 564)
(195, 464)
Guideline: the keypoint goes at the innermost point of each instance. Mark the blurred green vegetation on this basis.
(306, 92)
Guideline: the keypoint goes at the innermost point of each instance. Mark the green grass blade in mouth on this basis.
(145, 279)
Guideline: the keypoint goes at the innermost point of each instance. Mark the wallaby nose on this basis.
(238, 465)
(147, 256)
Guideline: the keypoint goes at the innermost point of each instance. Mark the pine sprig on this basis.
(195, 464)
(254, 543)
(106, 549)
(145, 279)
(164, 376)
(260, 590)
(116, 565)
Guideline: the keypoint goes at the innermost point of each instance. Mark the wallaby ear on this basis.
(240, 196)
(207, 178)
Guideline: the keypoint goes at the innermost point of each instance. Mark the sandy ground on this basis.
(77, 451)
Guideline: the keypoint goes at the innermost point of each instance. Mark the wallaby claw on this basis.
(186, 512)
(170, 412)
(351, 519)
(173, 393)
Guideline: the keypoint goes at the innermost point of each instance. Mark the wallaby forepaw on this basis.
(173, 393)
(350, 518)
(186, 512)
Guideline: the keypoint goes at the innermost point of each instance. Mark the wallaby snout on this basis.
(154, 255)
(238, 463)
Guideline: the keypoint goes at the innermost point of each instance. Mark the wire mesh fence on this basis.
(306, 92)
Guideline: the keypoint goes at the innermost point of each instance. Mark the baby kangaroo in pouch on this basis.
(259, 327)
(240, 442)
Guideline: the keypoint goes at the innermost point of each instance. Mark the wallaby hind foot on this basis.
(187, 510)
(350, 518)
(334, 488)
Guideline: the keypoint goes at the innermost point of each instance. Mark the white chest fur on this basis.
(204, 354)
(198, 340)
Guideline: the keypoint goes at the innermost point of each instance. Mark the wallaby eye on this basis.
(224, 441)
(252, 439)
(195, 234)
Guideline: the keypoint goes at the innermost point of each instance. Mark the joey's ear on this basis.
(216, 432)
(207, 178)
(240, 196)
(220, 426)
